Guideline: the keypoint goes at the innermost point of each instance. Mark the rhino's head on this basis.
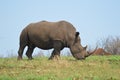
(77, 50)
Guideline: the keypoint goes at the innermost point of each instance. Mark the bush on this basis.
(110, 44)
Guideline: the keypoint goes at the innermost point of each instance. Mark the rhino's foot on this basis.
(55, 57)
(51, 57)
(19, 58)
(30, 58)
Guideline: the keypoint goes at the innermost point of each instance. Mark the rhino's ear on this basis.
(77, 34)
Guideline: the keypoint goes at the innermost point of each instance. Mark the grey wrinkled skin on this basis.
(47, 35)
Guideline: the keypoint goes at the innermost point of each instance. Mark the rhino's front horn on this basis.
(89, 53)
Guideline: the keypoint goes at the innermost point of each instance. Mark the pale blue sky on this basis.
(94, 19)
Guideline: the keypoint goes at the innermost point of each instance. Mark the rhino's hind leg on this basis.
(20, 51)
(57, 48)
(29, 52)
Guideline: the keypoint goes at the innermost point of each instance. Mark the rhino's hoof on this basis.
(19, 58)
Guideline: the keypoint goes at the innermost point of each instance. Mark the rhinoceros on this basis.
(47, 35)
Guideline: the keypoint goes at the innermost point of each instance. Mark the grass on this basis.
(93, 68)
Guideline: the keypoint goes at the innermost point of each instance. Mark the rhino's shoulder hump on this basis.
(67, 24)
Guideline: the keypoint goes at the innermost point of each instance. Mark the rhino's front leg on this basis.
(55, 55)
(57, 48)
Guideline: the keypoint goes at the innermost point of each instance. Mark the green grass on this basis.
(93, 68)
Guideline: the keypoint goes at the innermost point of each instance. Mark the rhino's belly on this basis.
(44, 44)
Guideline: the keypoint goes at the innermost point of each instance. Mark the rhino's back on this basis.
(43, 33)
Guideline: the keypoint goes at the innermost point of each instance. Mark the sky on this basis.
(94, 19)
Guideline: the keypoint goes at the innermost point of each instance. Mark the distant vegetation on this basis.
(110, 44)
(93, 68)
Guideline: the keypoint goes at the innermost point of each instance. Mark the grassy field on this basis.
(93, 68)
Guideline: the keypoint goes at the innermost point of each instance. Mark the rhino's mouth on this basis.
(78, 56)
